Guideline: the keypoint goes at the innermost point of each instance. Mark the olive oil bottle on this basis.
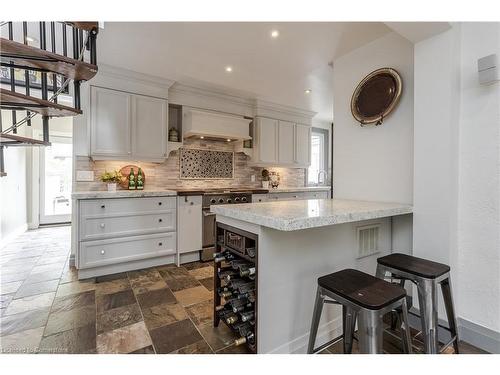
(140, 180)
(131, 180)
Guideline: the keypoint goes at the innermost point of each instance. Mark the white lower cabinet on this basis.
(189, 219)
(123, 234)
(126, 249)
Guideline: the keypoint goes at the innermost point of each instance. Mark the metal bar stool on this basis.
(426, 275)
(363, 298)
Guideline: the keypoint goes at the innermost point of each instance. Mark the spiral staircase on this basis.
(63, 66)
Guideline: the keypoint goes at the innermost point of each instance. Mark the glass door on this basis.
(55, 180)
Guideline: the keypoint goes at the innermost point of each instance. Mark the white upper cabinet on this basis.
(127, 126)
(302, 145)
(286, 138)
(110, 123)
(281, 143)
(267, 140)
(149, 128)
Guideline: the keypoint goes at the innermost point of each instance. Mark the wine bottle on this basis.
(231, 318)
(227, 274)
(250, 296)
(247, 287)
(247, 271)
(247, 315)
(237, 263)
(238, 305)
(225, 293)
(235, 283)
(219, 257)
(250, 339)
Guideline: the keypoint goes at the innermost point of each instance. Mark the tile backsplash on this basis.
(167, 175)
(205, 164)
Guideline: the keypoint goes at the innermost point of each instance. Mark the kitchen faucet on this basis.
(325, 173)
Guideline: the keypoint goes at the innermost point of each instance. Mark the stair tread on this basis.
(18, 101)
(24, 56)
(84, 25)
(17, 140)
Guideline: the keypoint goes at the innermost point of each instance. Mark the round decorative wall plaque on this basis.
(376, 96)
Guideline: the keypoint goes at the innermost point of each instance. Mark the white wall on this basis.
(374, 163)
(479, 181)
(457, 185)
(12, 190)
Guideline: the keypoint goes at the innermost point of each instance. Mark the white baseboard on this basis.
(472, 333)
(326, 332)
(12, 236)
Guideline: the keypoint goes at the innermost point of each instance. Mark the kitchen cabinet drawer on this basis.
(285, 196)
(316, 195)
(126, 249)
(112, 206)
(96, 227)
(256, 198)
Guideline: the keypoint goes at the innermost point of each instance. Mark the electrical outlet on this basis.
(252, 178)
(83, 176)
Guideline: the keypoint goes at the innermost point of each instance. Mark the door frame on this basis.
(52, 219)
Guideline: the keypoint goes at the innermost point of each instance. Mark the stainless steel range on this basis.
(217, 197)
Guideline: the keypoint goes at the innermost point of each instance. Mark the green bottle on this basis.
(131, 180)
(140, 180)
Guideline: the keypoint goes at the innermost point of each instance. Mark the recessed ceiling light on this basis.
(308, 91)
(229, 69)
(275, 33)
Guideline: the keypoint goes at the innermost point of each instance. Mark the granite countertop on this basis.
(122, 194)
(311, 213)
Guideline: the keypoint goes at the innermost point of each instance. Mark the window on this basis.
(319, 158)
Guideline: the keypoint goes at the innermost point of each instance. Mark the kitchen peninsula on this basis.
(297, 242)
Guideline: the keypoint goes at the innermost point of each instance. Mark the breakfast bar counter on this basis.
(298, 241)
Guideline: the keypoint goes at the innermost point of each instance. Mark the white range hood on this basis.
(197, 123)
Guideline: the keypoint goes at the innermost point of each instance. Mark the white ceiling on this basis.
(278, 70)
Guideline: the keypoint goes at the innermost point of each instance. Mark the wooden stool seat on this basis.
(362, 289)
(413, 265)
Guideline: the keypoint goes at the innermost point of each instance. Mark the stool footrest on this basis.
(327, 344)
(445, 346)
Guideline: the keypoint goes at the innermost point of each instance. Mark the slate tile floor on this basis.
(45, 309)
(168, 309)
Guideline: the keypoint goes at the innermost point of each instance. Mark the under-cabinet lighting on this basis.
(275, 33)
(229, 69)
(308, 91)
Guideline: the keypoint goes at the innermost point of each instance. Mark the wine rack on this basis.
(235, 283)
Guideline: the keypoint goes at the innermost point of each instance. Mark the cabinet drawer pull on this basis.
(159, 203)
(160, 243)
(191, 203)
(160, 220)
(102, 252)
(295, 196)
(102, 225)
(103, 206)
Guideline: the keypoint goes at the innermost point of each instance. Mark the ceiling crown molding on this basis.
(131, 81)
(204, 96)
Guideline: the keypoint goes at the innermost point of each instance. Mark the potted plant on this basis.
(111, 178)
(265, 178)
